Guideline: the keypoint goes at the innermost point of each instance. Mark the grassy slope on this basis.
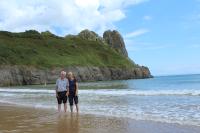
(46, 50)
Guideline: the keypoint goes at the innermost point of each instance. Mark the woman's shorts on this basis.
(73, 99)
(62, 98)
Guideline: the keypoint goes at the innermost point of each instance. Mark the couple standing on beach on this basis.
(67, 88)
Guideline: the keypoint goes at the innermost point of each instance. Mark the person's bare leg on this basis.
(59, 107)
(65, 107)
(71, 108)
(77, 108)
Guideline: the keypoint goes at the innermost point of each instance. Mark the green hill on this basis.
(32, 48)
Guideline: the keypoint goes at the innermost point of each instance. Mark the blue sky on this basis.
(171, 43)
(161, 34)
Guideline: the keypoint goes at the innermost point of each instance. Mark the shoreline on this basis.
(27, 119)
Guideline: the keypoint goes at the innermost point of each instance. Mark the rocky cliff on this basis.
(32, 58)
(115, 41)
(23, 75)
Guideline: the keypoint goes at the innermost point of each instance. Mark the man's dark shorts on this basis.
(62, 98)
(73, 99)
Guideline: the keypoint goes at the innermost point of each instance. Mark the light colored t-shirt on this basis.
(62, 84)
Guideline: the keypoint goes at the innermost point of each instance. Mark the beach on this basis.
(160, 105)
(19, 119)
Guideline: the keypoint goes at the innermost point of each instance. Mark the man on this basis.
(61, 90)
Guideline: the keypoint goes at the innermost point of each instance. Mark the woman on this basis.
(72, 92)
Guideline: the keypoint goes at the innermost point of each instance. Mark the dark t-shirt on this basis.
(72, 86)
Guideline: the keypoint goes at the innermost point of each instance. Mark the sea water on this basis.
(171, 99)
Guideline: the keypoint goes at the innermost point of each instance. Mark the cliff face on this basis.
(115, 41)
(23, 75)
(32, 58)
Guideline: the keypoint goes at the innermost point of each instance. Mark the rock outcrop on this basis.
(115, 41)
(23, 75)
(90, 35)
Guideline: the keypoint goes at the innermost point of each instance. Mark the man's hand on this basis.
(57, 95)
(67, 94)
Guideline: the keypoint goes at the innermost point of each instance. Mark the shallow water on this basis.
(172, 99)
(15, 119)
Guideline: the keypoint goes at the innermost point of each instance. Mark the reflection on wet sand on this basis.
(29, 120)
(68, 123)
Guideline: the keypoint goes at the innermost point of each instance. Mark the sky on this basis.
(161, 34)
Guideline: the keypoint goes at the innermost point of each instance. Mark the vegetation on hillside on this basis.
(48, 50)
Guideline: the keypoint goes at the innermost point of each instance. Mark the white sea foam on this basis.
(26, 90)
(143, 93)
(114, 92)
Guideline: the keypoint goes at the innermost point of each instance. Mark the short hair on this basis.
(63, 72)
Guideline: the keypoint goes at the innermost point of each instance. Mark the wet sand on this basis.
(15, 119)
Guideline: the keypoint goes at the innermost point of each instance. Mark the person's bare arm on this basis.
(67, 89)
(56, 89)
(76, 88)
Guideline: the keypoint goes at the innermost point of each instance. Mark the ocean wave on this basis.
(26, 90)
(113, 92)
(144, 92)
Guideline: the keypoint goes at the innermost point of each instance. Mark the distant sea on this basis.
(171, 99)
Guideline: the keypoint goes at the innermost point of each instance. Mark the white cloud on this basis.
(147, 17)
(63, 16)
(136, 33)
